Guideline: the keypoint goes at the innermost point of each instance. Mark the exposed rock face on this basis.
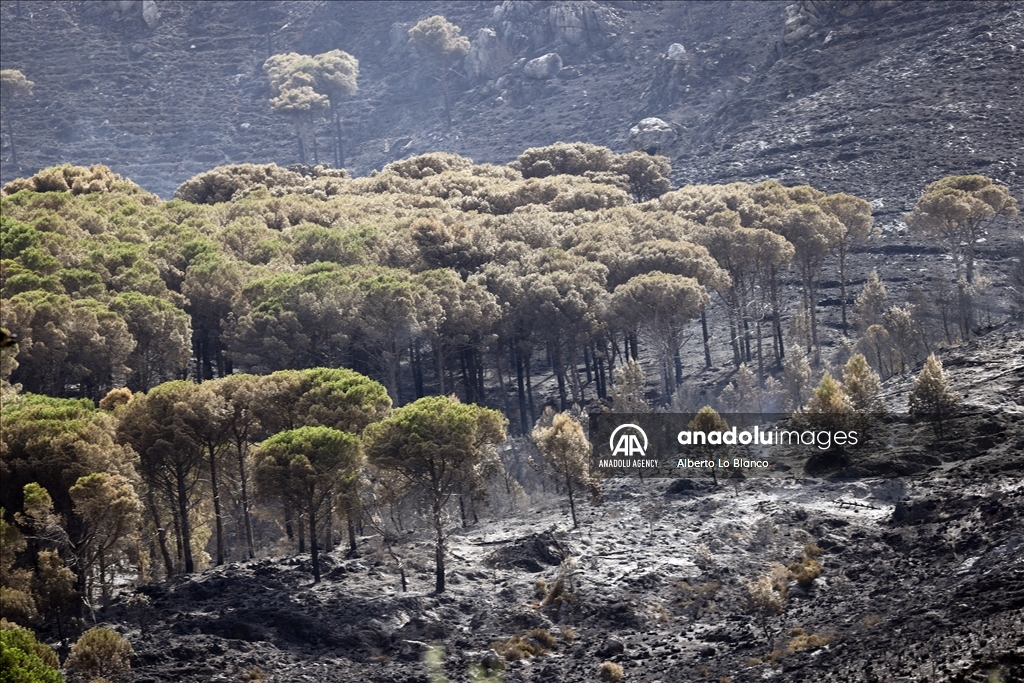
(652, 135)
(544, 67)
(150, 14)
(806, 16)
(531, 26)
(485, 58)
(676, 52)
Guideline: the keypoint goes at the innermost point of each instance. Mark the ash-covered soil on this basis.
(922, 575)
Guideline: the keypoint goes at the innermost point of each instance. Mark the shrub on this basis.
(68, 178)
(536, 642)
(807, 568)
(226, 182)
(766, 597)
(610, 671)
(426, 165)
(563, 158)
(557, 594)
(23, 658)
(800, 640)
(116, 397)
(99, 653)
(253, 673)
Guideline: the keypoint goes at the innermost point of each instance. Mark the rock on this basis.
(150, 14)
(652, 135)
(398, 37)
(797, 34)
(533, 553)
(484, 61)
(680, 486)
(544, 67)
(676, 52)
(525, 26)
(611, 647)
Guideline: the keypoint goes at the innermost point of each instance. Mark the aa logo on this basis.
(627, 443)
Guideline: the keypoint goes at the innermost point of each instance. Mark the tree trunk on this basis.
(572, 502)
(339, 149)
(529, 393)
(351, 530)
(218, 517)
(760, 356)
(314, 547)
(560, 375)
(246, 517)
(416, 360)
(161, 534)
(302, 147)
(438, 550)
(439, 353)
(707, 339)
(467, 385)
(501, 377)
(399, 563)
(186, 528)
(813, 304)
(520, 388)
(733, 308)
(842, 284)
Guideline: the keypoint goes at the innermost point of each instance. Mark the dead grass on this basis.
(536, 642)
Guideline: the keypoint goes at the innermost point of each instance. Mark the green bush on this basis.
(25, 660)
(99, 653)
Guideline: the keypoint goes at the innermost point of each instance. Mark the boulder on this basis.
(544, 67)
(483, 61)
(533, 553)
(150, 14)
(398, 37)
(676, 52)
(652, 135)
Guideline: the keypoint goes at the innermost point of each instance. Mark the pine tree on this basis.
(932, 397)
(862, 385)
(628, 389)
(565, 447)
(438, 40)
(869, 304)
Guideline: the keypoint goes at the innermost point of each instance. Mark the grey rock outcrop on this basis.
(526, 26)
(150, 14)
(485, 58)
(676, 52)
(544, 67)
(807, 16)
(652, 135)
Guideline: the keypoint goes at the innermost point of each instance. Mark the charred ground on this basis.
(920, 555)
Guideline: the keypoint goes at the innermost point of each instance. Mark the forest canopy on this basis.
(195, 363)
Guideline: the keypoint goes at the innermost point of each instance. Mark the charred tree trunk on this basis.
(218, 517)
(161, 533)
(707, 339)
